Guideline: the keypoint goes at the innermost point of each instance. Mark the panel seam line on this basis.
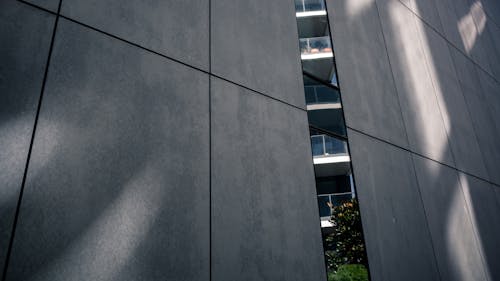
(30, 149)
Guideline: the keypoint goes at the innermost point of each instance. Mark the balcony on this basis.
(330, 156)
(325, 146)
(315, 48)
(308, 8)
(335, 199)
(319, 96)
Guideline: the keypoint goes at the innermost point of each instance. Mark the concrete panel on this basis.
(368, 91)
(464, 25)
(492, 8)
(491, 90)
(254, 43)
(495, 34)
(457, 120)
(482, 199)
(178, 29)
(488, 135)
(118, 181)
(50, 5)
(471, 24)
(490, 40)
(25, 33)
(458, 23)
(450, 21)
(397, 236)
(455, 244)
(427, 10)
(423, 120)
(265, 222)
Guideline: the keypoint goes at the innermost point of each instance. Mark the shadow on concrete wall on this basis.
(108, 188)
(443, 126)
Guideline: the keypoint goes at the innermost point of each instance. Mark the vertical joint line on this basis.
(30, 149)
(210, 135)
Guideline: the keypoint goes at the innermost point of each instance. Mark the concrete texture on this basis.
(427, 11)
(368, 92)
(450, 20)
(481, 112)
(466, 25)
(453, 235)
(492, 8)
(423, 120)
(50, 5)
(451, 101)
(254, 43)
(471, 28)
(118, 183)
(397, 236)
(491, 90)
(265, 223)
(484, 206)
(178, 29)
(25, 33)
(492, 31)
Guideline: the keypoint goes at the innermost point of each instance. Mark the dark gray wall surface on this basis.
(265, 223)
(483, 200)
(178, 29)
(25, 34)
(118, 183)
(457, 120)
(427, 10)
(368, 91)
(456, 247)
(396, 231)
(486, 124)
(254, 43)
(50, 5)
(421, 112)
(443, 59)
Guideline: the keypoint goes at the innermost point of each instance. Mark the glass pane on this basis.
(335, 146)
(316, 93)
(324, 210)
(339, 199)
(317, 145)
(316, 47)
(331, 120)
(330, 185)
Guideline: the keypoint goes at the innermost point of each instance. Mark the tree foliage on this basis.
(345, 244)
(349, 272)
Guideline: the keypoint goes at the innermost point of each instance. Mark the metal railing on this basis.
(335, 199)
(315, 45)
(321, 94)
(323, 145)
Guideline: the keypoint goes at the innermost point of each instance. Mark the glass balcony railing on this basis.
(316, 47)
(323, 145)
(317, 94)
(309, 5)
(334, 199)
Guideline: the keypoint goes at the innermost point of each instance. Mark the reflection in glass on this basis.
(315, 48)
(319, 93)
(330, 119)
(327, 145)
(322, 69)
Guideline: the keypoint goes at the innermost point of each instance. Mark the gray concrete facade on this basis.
(442, 63)
(168, 140)
(166, 147)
